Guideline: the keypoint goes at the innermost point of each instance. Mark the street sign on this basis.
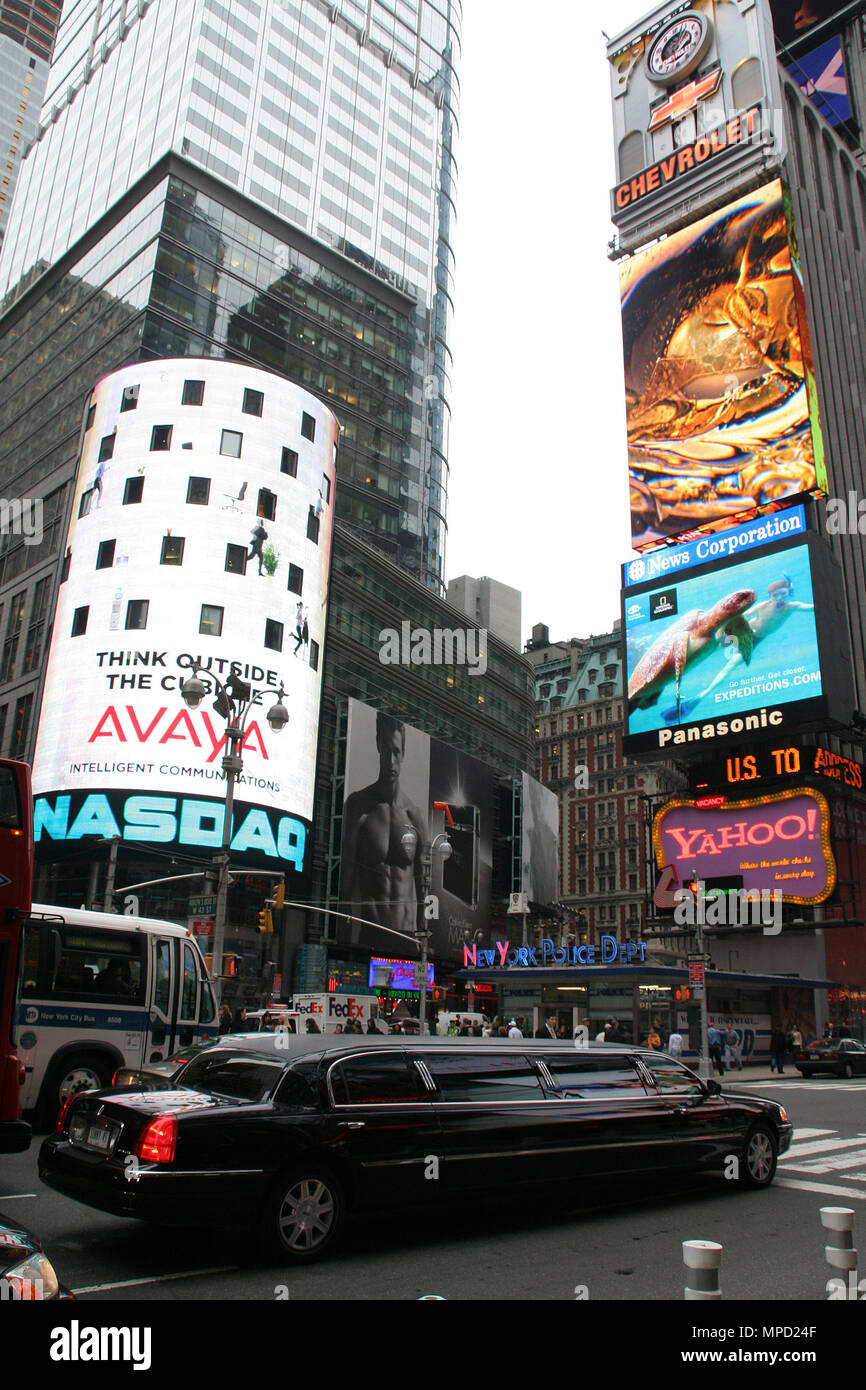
(202, 907)
(696, 975)
(201, 926)
(420, 975)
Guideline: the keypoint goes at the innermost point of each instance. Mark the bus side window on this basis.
(190, 984)
(30, 961)
(162, 981)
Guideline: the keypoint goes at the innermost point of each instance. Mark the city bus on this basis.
(16, 885)
(99, 991)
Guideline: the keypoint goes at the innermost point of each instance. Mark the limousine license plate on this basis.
(98, 1137)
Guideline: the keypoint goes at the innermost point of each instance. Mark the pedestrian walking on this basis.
(225, 1019)
(715, 1044)
(653, 1039)
(675, 1044)
(513, 1030)
(777, 1051)
(733, 1048)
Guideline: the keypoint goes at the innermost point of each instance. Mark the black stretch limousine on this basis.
(289, 1141)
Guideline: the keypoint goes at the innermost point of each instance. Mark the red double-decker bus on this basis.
(16, 887)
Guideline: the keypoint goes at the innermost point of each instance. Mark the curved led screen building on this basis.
(200, 532)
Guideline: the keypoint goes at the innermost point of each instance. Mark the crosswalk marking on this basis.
(824, 1189)
(805, 1084)
(819, 1146)
(823, 1152)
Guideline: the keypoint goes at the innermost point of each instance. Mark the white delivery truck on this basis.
(330, 1010)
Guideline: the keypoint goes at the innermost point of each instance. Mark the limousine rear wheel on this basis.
(759, 1157)
(303, 1214)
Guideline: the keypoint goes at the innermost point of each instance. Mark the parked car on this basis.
(26, 1273)
(291, 1142)
(834, 1056)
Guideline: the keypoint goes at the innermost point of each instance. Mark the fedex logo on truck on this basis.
(330, 1007)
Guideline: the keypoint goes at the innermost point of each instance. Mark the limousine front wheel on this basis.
(759, 1157)
(303, 1214)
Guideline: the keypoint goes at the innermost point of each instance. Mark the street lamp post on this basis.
(234, 701)
(441, 845)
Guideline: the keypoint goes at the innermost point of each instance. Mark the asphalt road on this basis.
(617, 1242)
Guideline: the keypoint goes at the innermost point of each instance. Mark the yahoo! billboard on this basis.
(778, 844)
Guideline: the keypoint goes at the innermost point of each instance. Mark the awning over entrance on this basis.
(647, 974)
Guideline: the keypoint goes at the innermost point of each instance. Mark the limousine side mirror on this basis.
(714, 1088)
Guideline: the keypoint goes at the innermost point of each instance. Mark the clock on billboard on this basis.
(678, 48)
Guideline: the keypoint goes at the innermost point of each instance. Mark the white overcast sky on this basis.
(539, 494)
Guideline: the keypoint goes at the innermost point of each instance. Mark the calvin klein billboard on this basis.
(200, 533)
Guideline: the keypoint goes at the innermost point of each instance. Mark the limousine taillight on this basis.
(157, 1143)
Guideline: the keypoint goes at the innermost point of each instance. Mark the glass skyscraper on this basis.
(27, 32)
(337, 118)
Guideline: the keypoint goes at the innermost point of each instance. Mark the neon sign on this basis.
(504, 956)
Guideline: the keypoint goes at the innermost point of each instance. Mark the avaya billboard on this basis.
(200, 534)
(777, 844)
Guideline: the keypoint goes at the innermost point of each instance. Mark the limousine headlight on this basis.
(32, 1279)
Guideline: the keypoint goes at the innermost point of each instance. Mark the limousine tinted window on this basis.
(459, 1076)
(376, 1080)
(592, 1076)
(239, 1078)
(672, 1076)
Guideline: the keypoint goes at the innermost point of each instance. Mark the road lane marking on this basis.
(803, 1133)
(157, 1279)
(823, 1188)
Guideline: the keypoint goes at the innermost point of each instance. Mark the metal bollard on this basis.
(703, 1260)
(840, 1253)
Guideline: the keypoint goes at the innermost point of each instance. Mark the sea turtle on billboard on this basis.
(763, 619)
(684, 642)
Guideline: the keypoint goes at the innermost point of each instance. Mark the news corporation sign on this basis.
(200, 535)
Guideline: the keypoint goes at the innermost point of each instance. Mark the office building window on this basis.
(86, 502)
(36, 627)
(23, 710)
(105, 555)
(254, 402)
(231, 443)
(313, 526)
(129, 399)
(289, 463)
(64, 568)
(198, 491)
(172, 550)
(314, 655)
(308, 426)
(267, 505)
(91, 416)
(273, 635)
(136, 613)
(326, 487)
(296, 579)
(133, 491)
(211, 623)
(106, 448)
(160, 438)
(236, 559)
(79, 622)
(193, 393)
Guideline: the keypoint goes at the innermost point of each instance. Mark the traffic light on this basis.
(279, 896)
(232, 967)
(265, 922)
(682, 995)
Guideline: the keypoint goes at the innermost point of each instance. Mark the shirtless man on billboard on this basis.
(383, 842)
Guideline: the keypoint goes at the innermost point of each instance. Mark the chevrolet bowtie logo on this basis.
(686, 99)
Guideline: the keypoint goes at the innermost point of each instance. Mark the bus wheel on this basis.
(81, 1071)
